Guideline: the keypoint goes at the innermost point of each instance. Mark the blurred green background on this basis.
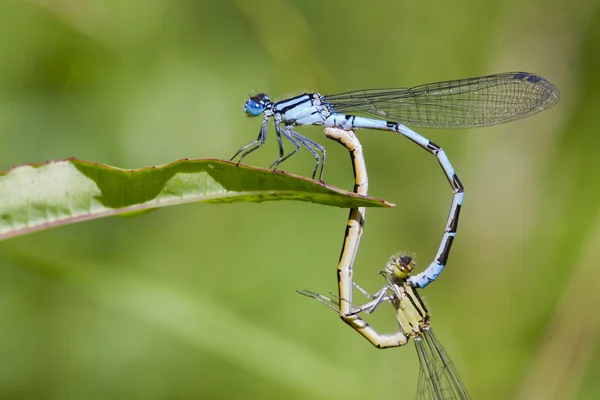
(199, 301)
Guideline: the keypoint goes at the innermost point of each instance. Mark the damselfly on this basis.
(438, 378)
(465, 103)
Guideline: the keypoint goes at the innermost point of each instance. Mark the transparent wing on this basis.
(464, 103)
(438, 378)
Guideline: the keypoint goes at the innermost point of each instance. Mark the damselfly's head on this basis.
(400, 266)
(257, 104)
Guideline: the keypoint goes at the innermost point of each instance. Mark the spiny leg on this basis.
(313, 147)
(281, 148)
(333, 302)
(376, 299)
(282, 132)
(280, 144)
(378, 295)
(308, 147)
(299, 140)
(253, 145)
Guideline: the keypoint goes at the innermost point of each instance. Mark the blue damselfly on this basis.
(464, 103)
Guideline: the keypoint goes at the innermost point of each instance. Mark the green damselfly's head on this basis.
(257, 104)
(400, 266)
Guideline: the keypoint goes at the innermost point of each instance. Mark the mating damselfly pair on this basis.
(463, 103)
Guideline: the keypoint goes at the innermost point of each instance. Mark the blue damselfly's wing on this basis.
(463, 103)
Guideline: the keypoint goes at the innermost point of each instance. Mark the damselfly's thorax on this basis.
(411, 312)
(304, 109)
(257, 104)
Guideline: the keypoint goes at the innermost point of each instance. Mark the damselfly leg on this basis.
(256, 143)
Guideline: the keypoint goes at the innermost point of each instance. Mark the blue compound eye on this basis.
(257, 104)
(253, 108)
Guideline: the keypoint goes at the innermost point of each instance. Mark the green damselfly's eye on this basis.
(400, 266)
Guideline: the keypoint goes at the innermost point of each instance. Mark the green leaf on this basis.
(36, 197)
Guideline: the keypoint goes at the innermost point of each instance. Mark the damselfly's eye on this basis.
(400, 266)
(253, 108)
(256, 104)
